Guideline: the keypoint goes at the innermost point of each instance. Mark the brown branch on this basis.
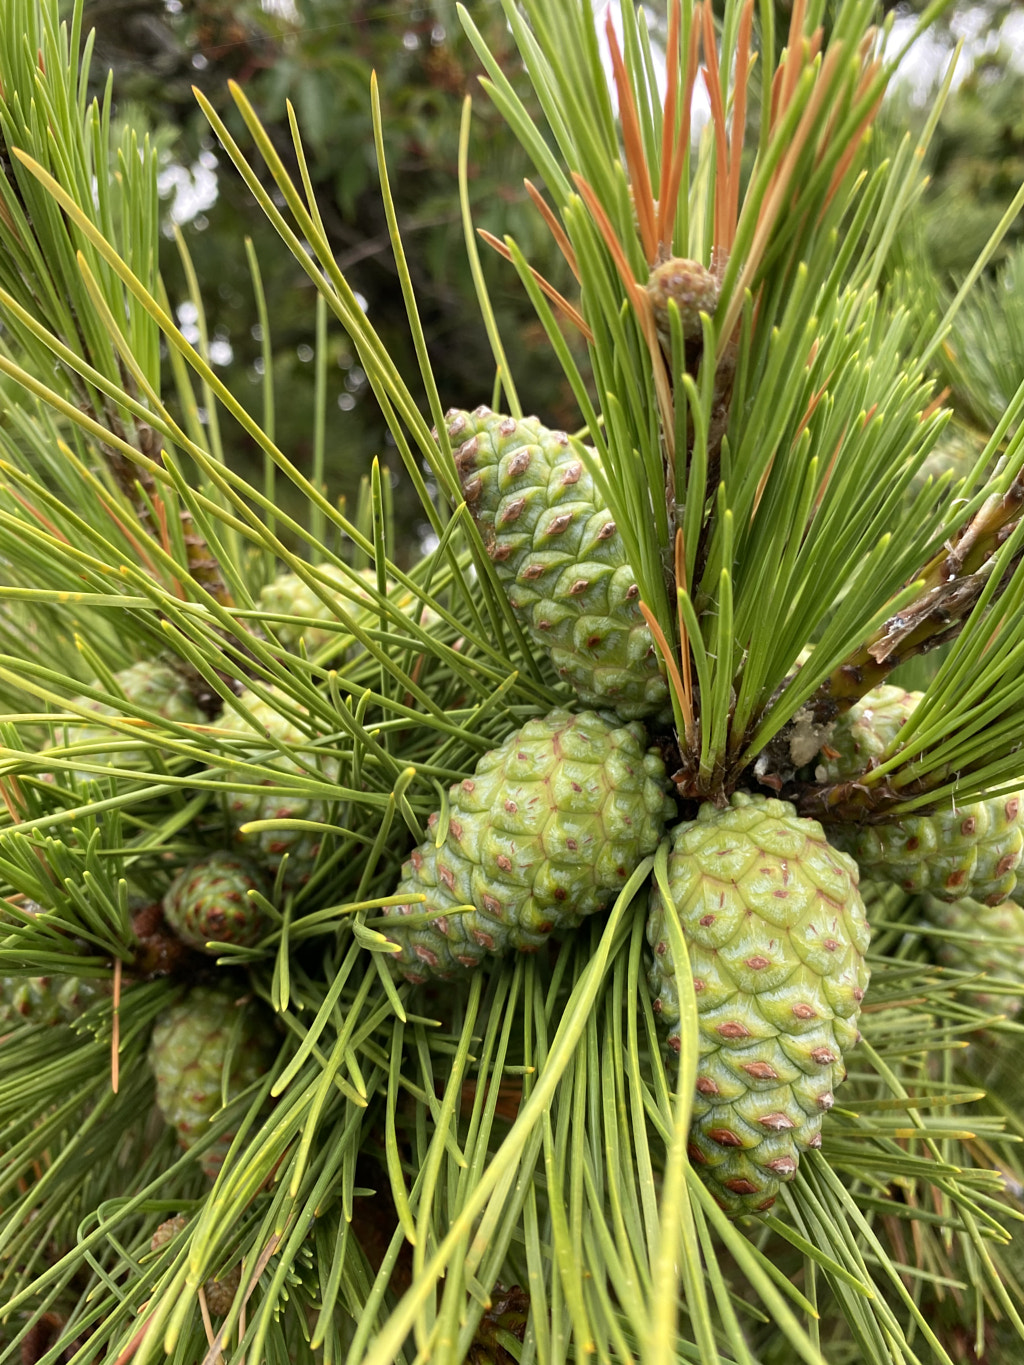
(934, 618)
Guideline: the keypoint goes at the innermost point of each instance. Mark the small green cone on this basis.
(290, 595)
(776, 934)
(270, 847)
(990, 940)
(862, 735)
(48, 999)
(193, 1041)
(971, 853)
(560, 557)
(152, 685)
(207, 903)
(547, 830)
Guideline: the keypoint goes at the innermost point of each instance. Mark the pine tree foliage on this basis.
(495, 1168)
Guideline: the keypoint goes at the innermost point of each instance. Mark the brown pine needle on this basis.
(739, 119)
(632, 142)
(714, 88)
(145, 559)
(936, 403)
(642, 307)
(129, 1351)
(554, 227)
(791, 65)
(839, 174)
(110, 507)
(813, 402)
(13, 799)
(559, 300)
(827, 478)
(115, 1033)
(43, 520)
(675, 679)
(774, 201)
(207, 1324)
(668, 115)
(681, 145)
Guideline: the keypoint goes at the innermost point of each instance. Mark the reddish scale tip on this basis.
(761, 1071)
(776, 1123)
(782, 1166)
(725, 1137)
(739, 1185)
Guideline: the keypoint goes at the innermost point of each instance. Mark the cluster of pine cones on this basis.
(552, 825)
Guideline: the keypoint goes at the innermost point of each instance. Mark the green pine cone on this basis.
(207, 902)
(48, 999)
(269, 848)
(974, 852)
(560, 558)
(992, 942)
(289, 595)
(192, 1043)
(152, 685)
(776, 933)
(547, 830)
(862, 735)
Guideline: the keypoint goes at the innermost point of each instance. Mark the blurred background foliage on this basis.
(318, 54)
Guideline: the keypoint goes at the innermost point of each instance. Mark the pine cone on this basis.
(560, 558)
(776, 934)
(152, 685)
(192, 1044)
(547, 830)
(207, 902)
(48, 999)
(270, 847)
(992, 943)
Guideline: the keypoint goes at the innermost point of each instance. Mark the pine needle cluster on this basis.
(266, 1145)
